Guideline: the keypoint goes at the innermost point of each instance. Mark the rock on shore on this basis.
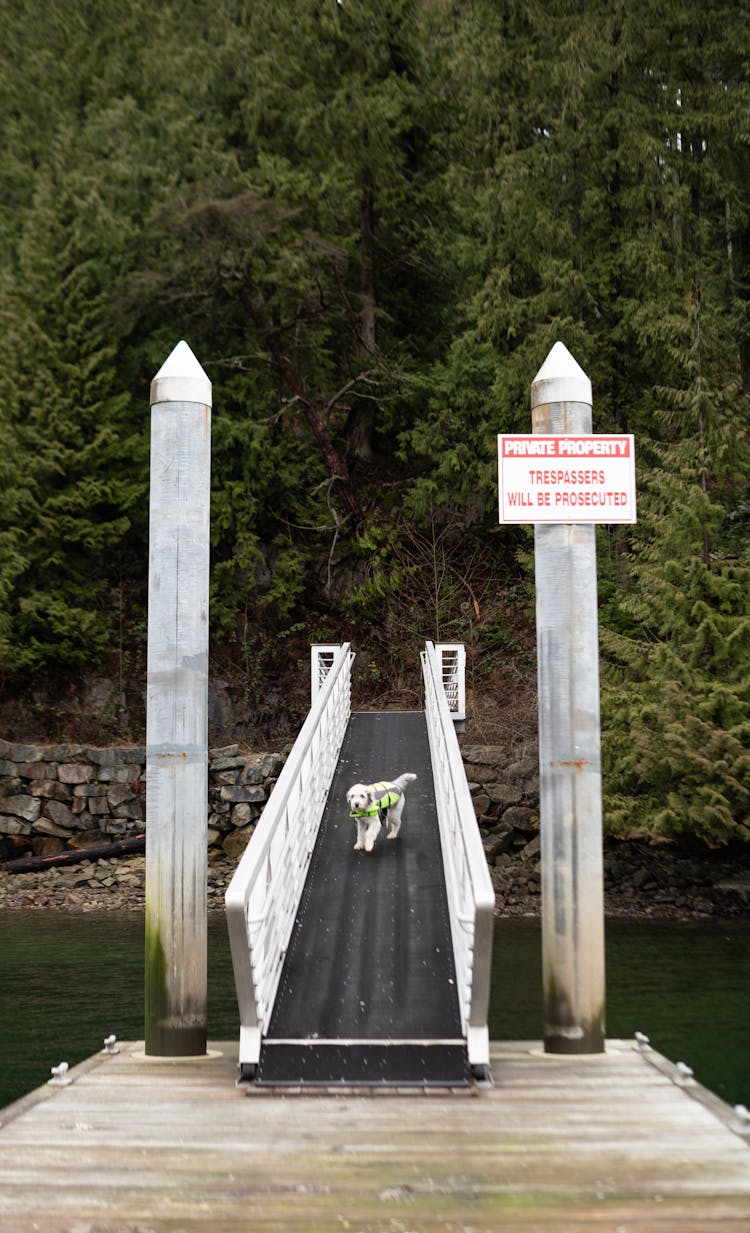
(106, 885)
(640, 882)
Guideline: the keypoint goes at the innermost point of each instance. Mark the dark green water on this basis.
(685, 984)
(68, 981)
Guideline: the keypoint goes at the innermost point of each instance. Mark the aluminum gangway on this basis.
(355, 968)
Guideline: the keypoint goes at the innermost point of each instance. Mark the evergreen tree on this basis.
(676, 697)
(296, 255)
(78, 476)
(371, 221)
(677, 730)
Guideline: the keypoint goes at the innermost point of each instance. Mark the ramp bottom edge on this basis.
(376, 1065)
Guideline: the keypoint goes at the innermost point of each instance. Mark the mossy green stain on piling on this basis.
(166, 1035)
(156, 987)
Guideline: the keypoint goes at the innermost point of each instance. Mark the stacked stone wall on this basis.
(57, 797)
(504, 786)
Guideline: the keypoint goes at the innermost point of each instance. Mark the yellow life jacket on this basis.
(388, 795)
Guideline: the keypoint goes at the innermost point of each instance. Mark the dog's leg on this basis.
(361, 832)
(373, 830)
(394, 818)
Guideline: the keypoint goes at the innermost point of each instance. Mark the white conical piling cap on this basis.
(181, 379)
(560, 379)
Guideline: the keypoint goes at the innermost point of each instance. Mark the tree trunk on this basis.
(312, 412)
(367, 268)
(360, 424)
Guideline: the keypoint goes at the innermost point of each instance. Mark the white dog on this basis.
(370, 804)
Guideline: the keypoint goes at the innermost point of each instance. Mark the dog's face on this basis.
(359, 797)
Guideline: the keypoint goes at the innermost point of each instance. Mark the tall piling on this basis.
(569, 741)
(177, 709)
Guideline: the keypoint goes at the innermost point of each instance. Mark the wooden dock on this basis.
(607, 1144)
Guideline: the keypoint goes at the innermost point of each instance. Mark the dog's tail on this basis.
(403, 780)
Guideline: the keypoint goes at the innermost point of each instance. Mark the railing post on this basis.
(176, 722)
(322, 659)
(452, 657)
(569, 741)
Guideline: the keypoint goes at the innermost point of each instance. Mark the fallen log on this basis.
(118, 847)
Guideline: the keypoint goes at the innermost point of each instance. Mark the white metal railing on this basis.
(471, 899)
(322, 659)
(452, 667)
(263, 896)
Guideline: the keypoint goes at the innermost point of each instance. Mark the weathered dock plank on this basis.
(607, 1144)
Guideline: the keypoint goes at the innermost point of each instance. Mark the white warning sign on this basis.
(566, 479)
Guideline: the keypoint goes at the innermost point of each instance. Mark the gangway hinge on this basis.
(248, 1071)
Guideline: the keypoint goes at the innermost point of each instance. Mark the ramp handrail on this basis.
(451, 658)
(471, 899)
(263, 896)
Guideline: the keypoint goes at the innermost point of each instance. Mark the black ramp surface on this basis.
(370, 960)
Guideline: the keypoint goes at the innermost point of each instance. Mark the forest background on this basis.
(371, 219)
